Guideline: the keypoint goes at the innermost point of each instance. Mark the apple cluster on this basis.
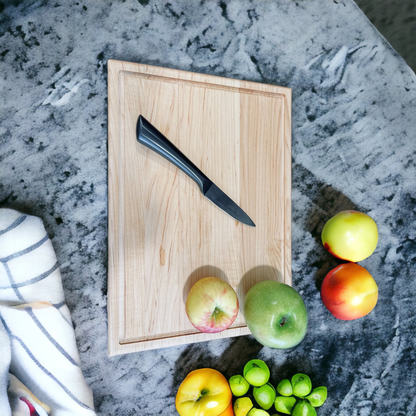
(274, 311)
(294, 397)
(349, 291)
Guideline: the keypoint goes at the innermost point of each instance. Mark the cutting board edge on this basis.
(130, 347)
(123, 66)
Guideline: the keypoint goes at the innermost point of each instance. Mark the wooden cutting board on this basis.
(164, 235)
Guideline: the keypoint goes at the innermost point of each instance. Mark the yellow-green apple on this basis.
(349, 292)
(211, 305)
(275, 314)
(350, 235)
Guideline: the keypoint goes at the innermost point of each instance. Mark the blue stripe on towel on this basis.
(25, 251)
(45, 370)
(10, 276)
(14, 225)
(30, 281)
(29, 310)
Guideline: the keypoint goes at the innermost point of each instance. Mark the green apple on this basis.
(256, 372)
(284, 404)
(318, 396)
(257, 412)
(265, 396)
(285, 388)
(303, 408)
(350, 235)
(301, 384)
(238, 385)
(275, 314)
(242, 406)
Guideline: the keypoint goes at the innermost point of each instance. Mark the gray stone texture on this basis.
(354, 146)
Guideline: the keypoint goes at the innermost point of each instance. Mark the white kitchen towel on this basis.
(40, 370)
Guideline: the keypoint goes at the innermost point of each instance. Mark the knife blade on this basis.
(151, 137)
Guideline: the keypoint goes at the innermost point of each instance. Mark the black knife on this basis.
(148, 135)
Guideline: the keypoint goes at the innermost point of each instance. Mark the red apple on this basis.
(349, 292)
(212, 305)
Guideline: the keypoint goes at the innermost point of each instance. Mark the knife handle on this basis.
(152, 138)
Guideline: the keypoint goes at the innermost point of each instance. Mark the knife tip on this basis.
(249, 222)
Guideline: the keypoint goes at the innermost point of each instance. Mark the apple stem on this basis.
(215, 313)
(282, 321)
(203, 393)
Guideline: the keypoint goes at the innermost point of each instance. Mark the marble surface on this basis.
(354, 146)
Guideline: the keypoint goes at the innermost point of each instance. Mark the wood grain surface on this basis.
(164, 235)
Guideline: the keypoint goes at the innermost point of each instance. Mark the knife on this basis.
(148, 135)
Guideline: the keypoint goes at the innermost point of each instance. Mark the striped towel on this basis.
(40, 370)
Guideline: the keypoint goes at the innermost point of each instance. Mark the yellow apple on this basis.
(204, 392)
(350, 235)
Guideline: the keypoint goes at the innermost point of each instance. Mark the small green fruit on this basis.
(285, 388)
(318, 396)
(256, 373)
(301, 384)
(258, 412)
(265, 396)
(238, 385)
(284, 404)
(242, 406)
(303, 408)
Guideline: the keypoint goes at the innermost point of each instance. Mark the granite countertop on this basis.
(354, 147)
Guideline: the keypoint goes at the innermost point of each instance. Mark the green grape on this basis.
(238, 385)
(318, 396)
(257, 412)
(285, 388)
(265, 395)
(242, 406)
(303, 408)
(301, 384)
(256, 372)
(284, 404)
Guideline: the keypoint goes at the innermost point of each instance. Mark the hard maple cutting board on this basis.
(164, 235)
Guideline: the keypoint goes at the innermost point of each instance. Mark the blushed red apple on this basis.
(350, 235)
(212, 305)
(349, 292)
